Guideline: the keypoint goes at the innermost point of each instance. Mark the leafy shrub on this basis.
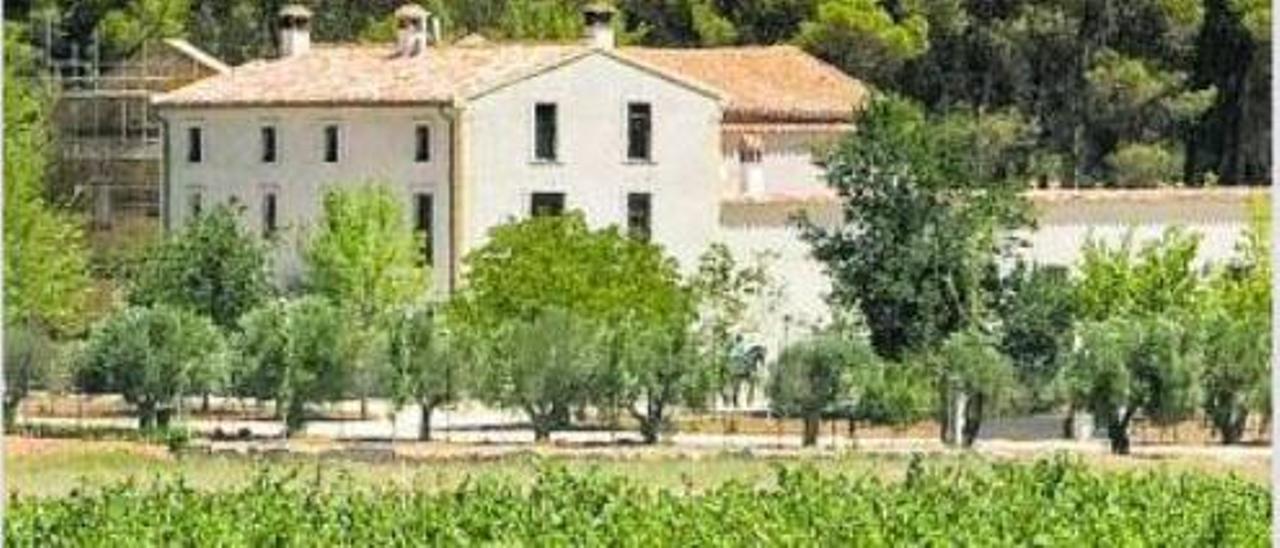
(1050, 503)
(1140, 165)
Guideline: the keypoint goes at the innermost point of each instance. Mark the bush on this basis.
(1140, 165)
(1050, 503)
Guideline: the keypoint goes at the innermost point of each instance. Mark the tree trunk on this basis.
(424, 427)
(812, 422)
(973, 419)
(163, 418)
(364, 407)
(541, 433)
(11, 405)
(1118, 431)
(293, 416)
(146, 416)
(1232, 429)
(204, 403)
(953, 423)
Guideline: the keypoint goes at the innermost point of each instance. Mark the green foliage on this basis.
(862, 37)
(1037, 309)
(651, 371)
(812, 377)
(1236, 319)
(557, 262)
(45, 262)
(973, 377)
(922, 223)
(127, 27)
(153, 357)
(427, 364)
(727, 293)
(1126, 365)
(212, 266)
(1049, 503)
(1145, 165)
(362, 254)
(29, 357)
(543, 366)
(1161, 277)
(897, 394)
(295, 352)
(364, 258)
(1255, 15)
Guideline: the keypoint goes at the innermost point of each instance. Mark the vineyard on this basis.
(1048, 503)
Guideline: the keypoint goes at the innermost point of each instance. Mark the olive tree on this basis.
(295, 352)
(812, 377)
(426, 364)
(659, 369)
(1127, 365)
(973, 377)
(153, 356)
(616, 292)
(542, 366)
(28, 356)
(1236, 319)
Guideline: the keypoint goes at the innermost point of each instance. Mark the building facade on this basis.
(689, 147)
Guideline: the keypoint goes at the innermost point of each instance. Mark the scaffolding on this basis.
(109, 142)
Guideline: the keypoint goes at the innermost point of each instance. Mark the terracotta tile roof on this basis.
(758, 84)
(765, 83)
(373, 75)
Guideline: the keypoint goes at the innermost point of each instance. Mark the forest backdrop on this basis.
(1116, 92)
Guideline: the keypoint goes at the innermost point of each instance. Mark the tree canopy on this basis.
(1134, 92)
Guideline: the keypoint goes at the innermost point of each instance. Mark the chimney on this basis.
(411, 30)
(295, 30)
(598, 19)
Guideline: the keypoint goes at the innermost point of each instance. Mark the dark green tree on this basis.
(923, 217)
(213, 266)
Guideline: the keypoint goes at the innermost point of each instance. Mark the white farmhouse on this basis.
(475, 134)
(687, 146)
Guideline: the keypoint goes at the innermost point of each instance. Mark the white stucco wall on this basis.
(786, 162)
(1066, 221)
(376, 144)
(592, 169)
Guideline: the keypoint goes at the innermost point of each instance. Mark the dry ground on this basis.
(57, 467)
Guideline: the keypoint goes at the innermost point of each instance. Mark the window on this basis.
(422, 150)
(639, 131)
(269, 214)
(547, 203)
(269, 144)
(195, 145)
(424, 224)
(330, 144)
(544, 122)
(639, 214)
(195, 203)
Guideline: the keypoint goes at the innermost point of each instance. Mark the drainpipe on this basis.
(166, 193)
